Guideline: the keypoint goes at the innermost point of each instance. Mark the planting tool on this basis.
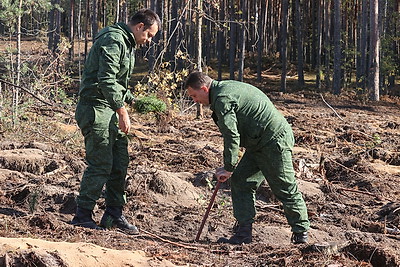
(208, 210)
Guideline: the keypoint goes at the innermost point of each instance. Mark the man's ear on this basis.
(205, 88)
(139, 25)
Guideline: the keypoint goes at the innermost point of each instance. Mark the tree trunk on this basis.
(199, 21)
(300, 67)
(198, 34)
(207, 36)
(165, 19)
(292, 44)
(394, 27)
(18, 69)
(374, 51)
(86, 28)
(337, 49)
(117, 10)
(78, 22)
(124, 12)
(151, 44)
(242, 39)
(221, 40)
(260, 47)
(54, 27)
(232, 41)
(71, 29)
(319, 44)
(361, 70)
(173, 32)
(284, 17)
(315, 6)
(50, 33)
(327, 51)
(95, 27)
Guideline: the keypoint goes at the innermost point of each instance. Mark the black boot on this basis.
(83, 218)
(299, 238)
(242, 234)
(113, 217)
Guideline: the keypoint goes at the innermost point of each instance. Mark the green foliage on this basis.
(8, 12)
(210, 183)
(33, 200)
(150, 104)
(223, 202)
(376, 141)
(167, 84)
(9, 9)
(388, 63)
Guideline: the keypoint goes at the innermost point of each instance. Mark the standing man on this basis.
(104, 121)
(247, 118)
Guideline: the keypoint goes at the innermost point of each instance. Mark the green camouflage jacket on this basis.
(108, 68)
(245, 116)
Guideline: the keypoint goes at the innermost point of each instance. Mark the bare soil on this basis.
(347, 165)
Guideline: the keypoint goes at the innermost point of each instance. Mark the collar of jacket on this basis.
(211, 93)
(129, 33)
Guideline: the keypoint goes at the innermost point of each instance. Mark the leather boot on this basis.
(113, 218)
(242, 234)
(299, 238)
(83, 218)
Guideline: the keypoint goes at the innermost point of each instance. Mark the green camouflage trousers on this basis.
(272, 162)
(106, 155)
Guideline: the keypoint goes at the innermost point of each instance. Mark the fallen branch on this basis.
(55, 171)
(354, 190)
(331, 107)
(27, 91)
(269, 207)
(347, 168)
(168, 241)
(362, 192)
(395, 210)
(163, 150)
(196, 247)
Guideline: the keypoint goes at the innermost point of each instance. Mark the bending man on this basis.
(247, 118)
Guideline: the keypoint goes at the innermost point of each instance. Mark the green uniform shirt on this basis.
(245, 116)
(108, 68)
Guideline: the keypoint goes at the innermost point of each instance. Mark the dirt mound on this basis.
(28, 160)
(33, 252)
(347, 171)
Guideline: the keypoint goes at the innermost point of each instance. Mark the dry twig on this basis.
(168, 241)
(354, 190)
(27, 91)
(331, 107)
(361, 192)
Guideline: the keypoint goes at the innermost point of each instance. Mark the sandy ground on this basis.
(72, 254)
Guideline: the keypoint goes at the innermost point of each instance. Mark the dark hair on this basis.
(197, 79)
(147, 16)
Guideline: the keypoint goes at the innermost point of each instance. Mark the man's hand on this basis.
(222, 174)
(124, 122)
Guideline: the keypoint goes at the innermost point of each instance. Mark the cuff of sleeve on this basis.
(130, 101)
(229, 168)
(117, 105)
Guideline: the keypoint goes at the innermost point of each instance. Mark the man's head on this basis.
(198, 87)
(144, 25)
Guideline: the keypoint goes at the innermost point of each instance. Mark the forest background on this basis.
(328, 46)
(303, 54)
